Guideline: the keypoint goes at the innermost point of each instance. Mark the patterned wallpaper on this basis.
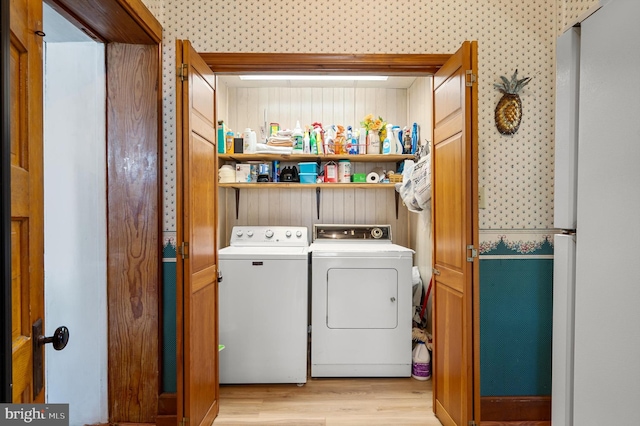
(516, 171)
(573, 11)
(157, 8)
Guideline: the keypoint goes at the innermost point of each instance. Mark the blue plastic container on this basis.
(308, 167)
(308, 177)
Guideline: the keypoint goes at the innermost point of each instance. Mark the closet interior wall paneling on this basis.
(419, 224)
(242, 107)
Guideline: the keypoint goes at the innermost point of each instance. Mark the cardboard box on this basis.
(243, 172)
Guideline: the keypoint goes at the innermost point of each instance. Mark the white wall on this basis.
(75, 227)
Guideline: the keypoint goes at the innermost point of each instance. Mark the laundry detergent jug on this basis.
(421, 362)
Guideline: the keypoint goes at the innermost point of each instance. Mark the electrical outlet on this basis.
(481, 198)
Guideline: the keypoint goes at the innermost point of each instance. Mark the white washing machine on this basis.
(263, 305)
(361, 306)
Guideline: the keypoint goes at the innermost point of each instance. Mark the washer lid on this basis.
(270, 253)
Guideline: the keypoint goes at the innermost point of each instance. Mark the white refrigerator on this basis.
(596, 297)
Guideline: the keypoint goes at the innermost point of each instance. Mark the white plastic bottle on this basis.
(298, 143)
(362, 141)
(249, 141)
(421, 363)
(396, 140)
(306, 143)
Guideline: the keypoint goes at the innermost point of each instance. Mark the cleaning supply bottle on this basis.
(319, 141)
(353, 147)
(421, 362)
(406, 135)
(388, 140)
(306, 143)
(396, 140)
(362, 141)
(415, 138)
(298, 143)
(313, 147)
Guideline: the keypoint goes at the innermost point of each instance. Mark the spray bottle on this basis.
(313, 147)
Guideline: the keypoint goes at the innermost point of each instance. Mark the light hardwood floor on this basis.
(329, 402)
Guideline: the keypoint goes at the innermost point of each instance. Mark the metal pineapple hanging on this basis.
(509, 109)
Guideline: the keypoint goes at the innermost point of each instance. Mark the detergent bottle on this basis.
(396, 147)
(421, 362)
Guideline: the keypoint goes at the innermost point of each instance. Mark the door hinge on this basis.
(474, 253)
(435, 271)
(184, 421)
(472, 423)
(470, 78)
(183, 72)
(183, 250)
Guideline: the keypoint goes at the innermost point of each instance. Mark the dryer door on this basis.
(359, 298)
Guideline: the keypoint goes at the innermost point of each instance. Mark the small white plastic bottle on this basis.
(298, 143)
(421, 364)
(306, 143)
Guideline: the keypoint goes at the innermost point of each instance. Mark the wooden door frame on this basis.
(106, 21)
(130, 33)
(325, 63)
(386, 64)
(5, 209)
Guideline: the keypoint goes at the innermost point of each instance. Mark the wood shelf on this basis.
(364, 158)
(236, 186)
(293, 185)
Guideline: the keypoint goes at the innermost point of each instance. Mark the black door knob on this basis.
(59, 339)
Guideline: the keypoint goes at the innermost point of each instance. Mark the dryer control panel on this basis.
(368, 233)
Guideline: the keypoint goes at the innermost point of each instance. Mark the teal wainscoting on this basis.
(169, 371)
(516, 289)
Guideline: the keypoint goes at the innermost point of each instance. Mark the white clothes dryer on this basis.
(263, 305)
(361, 305)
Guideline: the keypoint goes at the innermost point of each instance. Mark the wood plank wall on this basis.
(343, 105)
(245, 107)
(133, 242)
(297, 207)
(420, 111)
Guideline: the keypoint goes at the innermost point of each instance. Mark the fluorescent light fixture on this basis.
(315, 77)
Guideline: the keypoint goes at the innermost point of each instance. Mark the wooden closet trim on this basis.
(117, 21)
(389, 64)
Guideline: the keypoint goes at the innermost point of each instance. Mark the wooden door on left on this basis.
(27, 212)
(197, 267)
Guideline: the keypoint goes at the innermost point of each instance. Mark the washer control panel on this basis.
(296, 236)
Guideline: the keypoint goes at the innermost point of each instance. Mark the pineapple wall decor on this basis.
(509, 109)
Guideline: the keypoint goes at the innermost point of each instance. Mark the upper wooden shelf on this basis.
(366, 158)
(292, 185)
